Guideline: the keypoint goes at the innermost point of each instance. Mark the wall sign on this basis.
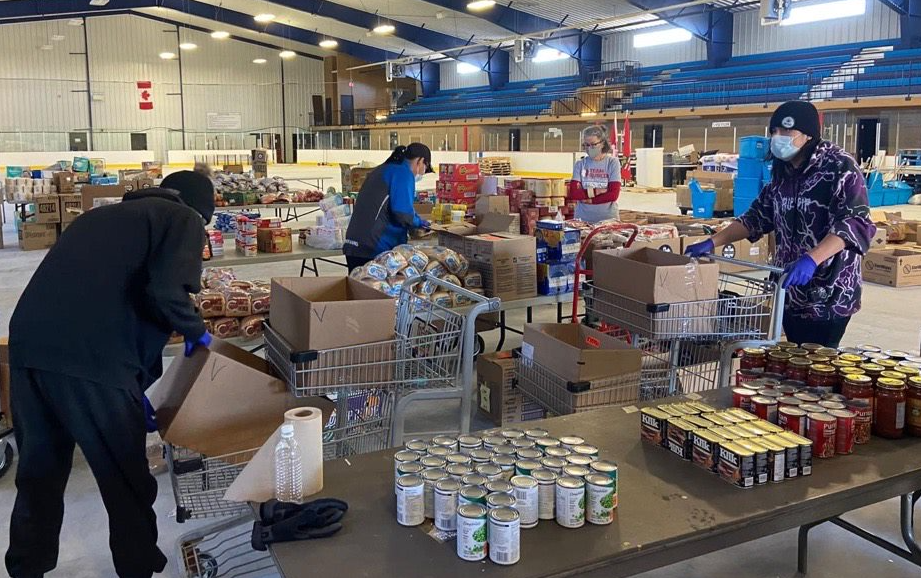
(721, 124)
(225, 121)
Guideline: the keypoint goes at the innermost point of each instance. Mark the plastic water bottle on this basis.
(289, 475)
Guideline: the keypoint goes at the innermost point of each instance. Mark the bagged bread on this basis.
(381, 286)
(463, 265)
(239, 303)
(436, 269)
(211, 303)
(373, 271)
(413, 256)
(209, 326)
(410, 271)
(426, 288)
(226, 327)
(452, 279)
(244, 285)
(396, 284)
(251, 327)
(473, 280)
(393, 261)
(442, 298)
(260, 300)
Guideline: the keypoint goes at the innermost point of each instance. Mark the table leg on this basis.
(530, 312)
(501, 331)
(559, 312)
(802, 554)
(306, 267)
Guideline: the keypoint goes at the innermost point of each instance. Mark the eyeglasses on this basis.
(591, 144)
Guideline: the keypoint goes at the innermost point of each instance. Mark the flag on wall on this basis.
(145, 98)
(625, 174)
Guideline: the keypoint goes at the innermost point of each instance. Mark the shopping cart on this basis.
(7, 455)
(583, 249)
(688, 347)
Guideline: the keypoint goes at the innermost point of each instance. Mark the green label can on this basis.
(471, 532)
(608, 469)
(471, 495)
(525, 467)
(525, 490)
(504, 536)
(600, 499)
(546, 493)
(410, 501)
(570, 502)
(431, 477)
(446, 504)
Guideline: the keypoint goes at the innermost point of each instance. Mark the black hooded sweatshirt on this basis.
(103, 302)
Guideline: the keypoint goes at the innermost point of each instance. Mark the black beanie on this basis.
(195, 189)
(799, 115)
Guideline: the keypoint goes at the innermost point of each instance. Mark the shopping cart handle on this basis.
(492, 303)
(747, 264)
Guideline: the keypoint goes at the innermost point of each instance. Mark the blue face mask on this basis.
(783, 148)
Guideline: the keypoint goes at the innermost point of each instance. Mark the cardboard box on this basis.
(357, 177)
(666, 245)
(743, 250)
(89, 193)
(47, 209)
(556, 278)
(64, 181)
(459, 172)
(233, 169)
(36, 236)
(497, 397)
(221, 400)
(893, 267)
(71, 207)
(456, 190)
(313, 313)
(5, 407)
(654, 277)
(274, 240)
(492, 204)
(579, 353)
(880, 238)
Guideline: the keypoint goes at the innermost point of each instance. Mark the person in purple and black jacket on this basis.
(816, 204)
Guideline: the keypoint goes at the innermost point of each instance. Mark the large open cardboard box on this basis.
(579, 353)
(314, 313)
(651, 276)
(893, 267)
(744, 250)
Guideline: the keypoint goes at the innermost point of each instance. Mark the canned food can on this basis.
(822, 429)
(418, 445)
(805, 452)
(481, 456)
(570, 441)
(402, 457)
(458, 458)
(439, 451)
(512, 433)
(737, 465)
(706, 450)
(765, 408)
(407, 469)
(504, 536)
(760, 472)
(792, 419)
(579, 460)
(525, 489)
(832, 405)
(863, 419)
(507, 463)
(471, 532)
(449, 442)
(433, 462)
(546, 493)
(536, 433)
(500, 500)
(529, 454)
(446, 504)
(553, 464)
(585, 450)
(806, 397)
(570, 502)
(471, 495)
(776, 459)
(489, 442)
(431, 477)
(525, 467)
(474, 479)
(605, 467)
(547, 442)
(576, 471)
(679, 437)
(410, 500)
(523, 444)
(741, 398)
(791, 454)
(845, 429)
(834, 397)
(498, 486)
(458, 471)
(600, 499)
(490, 471)
(468, 443)
(504, 450)
(788, 401)
(559, 452)
(654, 425)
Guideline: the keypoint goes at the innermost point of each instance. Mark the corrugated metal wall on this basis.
(450, 78)
(619, 46)
(41, 90)
(529, 70)
(750, 37)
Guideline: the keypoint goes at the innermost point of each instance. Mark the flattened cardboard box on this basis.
(223, 400)
(578, 353)
(314, 313)
(5, 407)
(893, 267)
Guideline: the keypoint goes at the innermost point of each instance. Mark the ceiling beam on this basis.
(713, 26)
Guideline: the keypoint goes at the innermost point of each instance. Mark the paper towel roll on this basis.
(256, 483)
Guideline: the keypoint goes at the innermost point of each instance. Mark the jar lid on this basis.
(822, 369)
(811, 346)
(815, 358)
(868, 348)
(779, 355)
(887, 363)
(753, 351)
(914, 381)
(798, 352)
(852, 357)
(889, 383)
(871, 367)
(892, 375)
(827, 351)
(907, 370)
(843, 363)
(800, 361)
(851, 371)
(786, 345)
(896, 353)
(858, 379)
(875, 355)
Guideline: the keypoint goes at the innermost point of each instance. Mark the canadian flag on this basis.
(144, 95)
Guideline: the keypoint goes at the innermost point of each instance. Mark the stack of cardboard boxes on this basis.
(894, 258)
(458, 184)
(260, 160)
(498, 398)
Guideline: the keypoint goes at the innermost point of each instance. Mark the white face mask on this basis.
(418, 177)
(594, 150)
(783, 148)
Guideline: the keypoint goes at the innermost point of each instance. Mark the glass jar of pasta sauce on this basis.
(753, 359)
(907, 370)
(822, 377)
(798, 368)
(827, 352)
(811, 347)
(913, 406)
(786, 345)
(797, 352)
(856, 386)
(777, 361)
(854, 358)
(872, 370)
(889, 415)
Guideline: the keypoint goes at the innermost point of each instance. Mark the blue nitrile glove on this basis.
(423, 224)
(799, 272)
(204, 341)
(150, 416)
(700, 249)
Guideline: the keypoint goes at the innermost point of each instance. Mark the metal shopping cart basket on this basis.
(688, 347)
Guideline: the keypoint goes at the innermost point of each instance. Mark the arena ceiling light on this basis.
(466, 68)
(328, 43)
(264, 18)
(660, 37)
(98, 2)
(75, 22)
(825, 11)
(220, 35)
(480, 5)
(259, 61)
(380, 117)
(188, 46)
(384, 28)
(549, 55)
(167, 55)
(287, 54)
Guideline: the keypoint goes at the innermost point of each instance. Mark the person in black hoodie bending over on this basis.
(86, 341)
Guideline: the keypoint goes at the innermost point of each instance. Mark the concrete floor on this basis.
(889, 319)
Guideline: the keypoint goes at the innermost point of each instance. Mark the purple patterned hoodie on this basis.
(827, 195)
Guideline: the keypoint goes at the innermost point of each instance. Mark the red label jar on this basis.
(777, 361)
(889, 415)
(913, 406)
(823, 378)
(798, 368)
(822, 429)
(753, 359)
(858, 386)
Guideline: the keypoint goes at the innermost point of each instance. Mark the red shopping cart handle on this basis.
(586, 243)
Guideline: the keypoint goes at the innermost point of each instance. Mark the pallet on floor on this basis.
(648, 190)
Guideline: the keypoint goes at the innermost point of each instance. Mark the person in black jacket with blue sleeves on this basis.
(383, 212)
(86, 341)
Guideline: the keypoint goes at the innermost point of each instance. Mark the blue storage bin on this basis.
(904, 195)
(751, 168)
(703, 201)
(766, 169)
(875, 197)
(741, 204)
(890, 196)
(747, 187)
(754, 147)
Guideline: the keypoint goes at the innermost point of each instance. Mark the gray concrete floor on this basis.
(889, 319)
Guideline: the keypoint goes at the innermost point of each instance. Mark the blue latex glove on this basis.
(799, 272)
(423, 224)
(698, 250)
(204, 341)
(150, 416)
